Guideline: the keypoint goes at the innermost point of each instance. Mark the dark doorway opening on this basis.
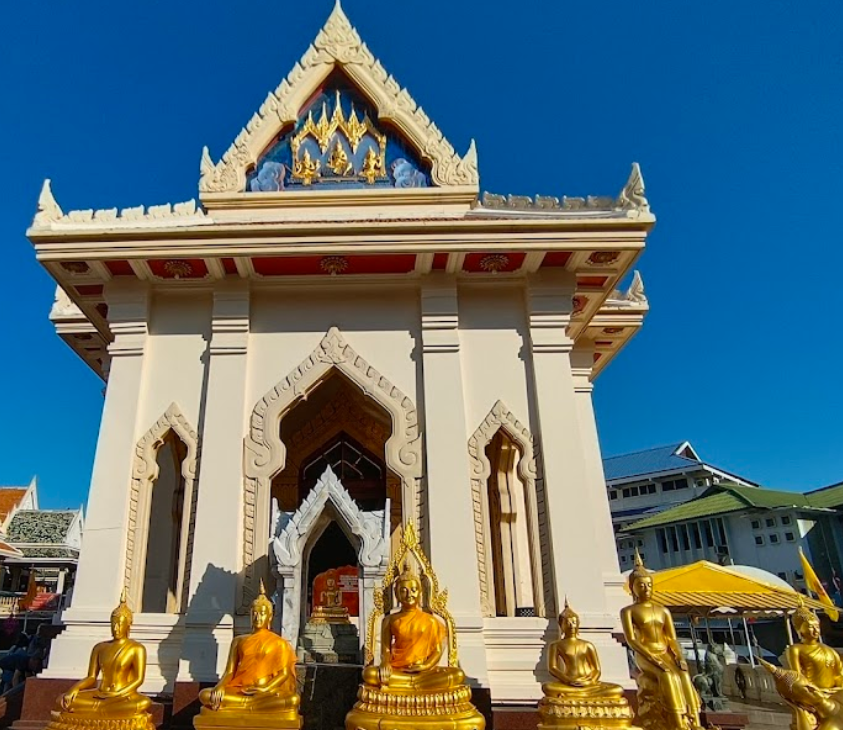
(332, 550)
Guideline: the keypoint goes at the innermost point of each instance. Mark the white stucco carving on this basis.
(632, 195)
(337, 44)
(632, 297)
(500, 417)
(265, 454)
(49, 213)
(299, 531)
(63, 306)
(144, 473)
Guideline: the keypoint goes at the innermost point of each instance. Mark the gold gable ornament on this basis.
(330, 132)
(409, 689)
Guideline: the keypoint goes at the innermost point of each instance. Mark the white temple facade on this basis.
(341, 336)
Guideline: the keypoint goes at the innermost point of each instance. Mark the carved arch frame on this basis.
(338, 45)
(528, 470)
(145, 471)
(264, 454)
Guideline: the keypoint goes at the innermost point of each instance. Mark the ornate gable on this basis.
(338, 121)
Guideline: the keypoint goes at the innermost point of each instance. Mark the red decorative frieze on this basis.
(485, 263)
(89, 290)
(119, 268)
(313, 265)
(440, 261)
(595, 282)
(178, 268)
(229, 266)
(556, 259)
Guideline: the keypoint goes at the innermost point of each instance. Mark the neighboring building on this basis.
(39, 549)
(345, 297)
(650, 481)
(745, 525)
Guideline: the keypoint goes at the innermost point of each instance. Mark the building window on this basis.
(640, 543)
(673, 484)
(662, 539)
(626, 493)
(773, 538)
(790, 537)
(674, 540)
(695, 531)
(613, 494)
(623, 559)
(686, 543)
(756, 524)
(770, 522)
(783, 576)
(785, 519)
(759, 539)
(651, 489)
(709, 537)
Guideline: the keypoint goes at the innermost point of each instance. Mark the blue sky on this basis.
(733, 110)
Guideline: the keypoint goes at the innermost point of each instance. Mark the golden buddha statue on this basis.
(409, 690)
(823, 707)
(258, 687)
(818, 664)
(330, 608)
(578, 697)
(372, 166)
(667, 699)
(115, 699)
(338, 161)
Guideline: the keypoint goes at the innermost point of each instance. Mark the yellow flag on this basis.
(814, 584)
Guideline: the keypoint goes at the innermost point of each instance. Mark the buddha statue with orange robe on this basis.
(120, 665)
(409, 689)
(258, 687)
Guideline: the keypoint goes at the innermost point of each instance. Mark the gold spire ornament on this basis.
(667, 699)
(818, 665)
(576, 697)
(258, 687)
(409, 689)
(113, 702)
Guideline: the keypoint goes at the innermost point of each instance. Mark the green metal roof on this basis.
(827, 496)
(724, 498)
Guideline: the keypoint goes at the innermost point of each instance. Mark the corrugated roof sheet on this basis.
(638, 463)
(829, 497)
(680, 590)
(724, 498)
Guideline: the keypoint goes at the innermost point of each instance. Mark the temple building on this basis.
(341, 336)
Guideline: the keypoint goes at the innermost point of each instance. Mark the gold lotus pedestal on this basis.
(409, 690)
(113, 702)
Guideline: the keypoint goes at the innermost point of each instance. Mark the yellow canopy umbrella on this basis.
(703, 588)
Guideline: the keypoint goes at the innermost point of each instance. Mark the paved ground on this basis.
(763, 717)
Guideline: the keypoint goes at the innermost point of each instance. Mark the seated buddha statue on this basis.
(667, 699)
(121, 666)
(409, 689)
(329, 607)
(577, 692)
(258, 687)
(574, 663)
(819, 665)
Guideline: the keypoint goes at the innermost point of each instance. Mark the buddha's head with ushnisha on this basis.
(569, 622)
(806, 623)
(408, 587)
(640, 580)
(262, 610)
(121, 618)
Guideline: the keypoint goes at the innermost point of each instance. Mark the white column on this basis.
(449, 528)
(217, 543)
(576, 524)
(582, 360)
(102, 559)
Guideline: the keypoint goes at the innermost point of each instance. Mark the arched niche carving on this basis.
(265, 454)
(294, 535)
(500, 417)
(144, 473)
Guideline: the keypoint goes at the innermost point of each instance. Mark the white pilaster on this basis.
(449, 511)
(575, 522)
(103, 554)
(217, 541)
(582, 359)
